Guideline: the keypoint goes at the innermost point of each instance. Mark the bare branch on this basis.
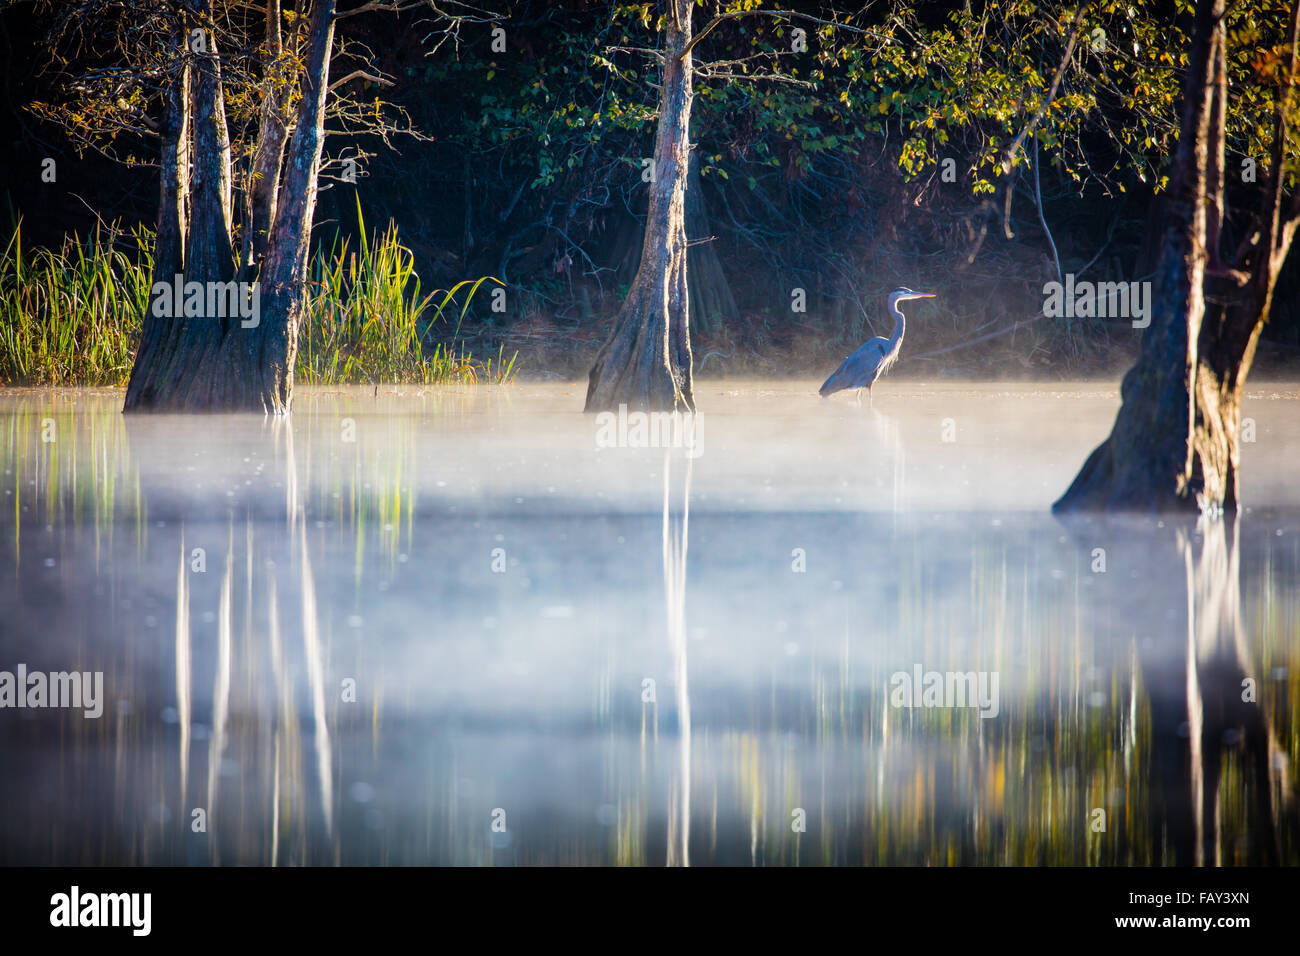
(377, 6)
(360, 75)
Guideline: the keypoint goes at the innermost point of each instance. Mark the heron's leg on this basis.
(870, 401)
(857, 394)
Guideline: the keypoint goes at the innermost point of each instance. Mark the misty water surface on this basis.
(444, 626)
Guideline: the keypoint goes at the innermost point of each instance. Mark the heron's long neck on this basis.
(899, 325)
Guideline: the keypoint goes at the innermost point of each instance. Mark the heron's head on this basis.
(904, 294)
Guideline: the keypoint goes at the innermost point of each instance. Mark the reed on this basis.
(70, 316)
(372, 322)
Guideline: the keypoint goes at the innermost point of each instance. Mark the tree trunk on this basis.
(208, 255)
(1174, 445)
(260, 360)
(1243, 299)
(268, 153)
(712, 302)
(163, 377)
(205, 363)
(173, 196)
(646, 363)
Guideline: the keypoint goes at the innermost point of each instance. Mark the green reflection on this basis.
(1105, 704)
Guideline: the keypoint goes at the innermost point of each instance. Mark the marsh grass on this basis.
(371, 321)
(71, 315)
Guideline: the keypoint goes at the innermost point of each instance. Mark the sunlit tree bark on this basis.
(211, 363)
(646, 363)
(1175, 442)
(264, 358)
(268, 150)
(173, 198)
(163, 371)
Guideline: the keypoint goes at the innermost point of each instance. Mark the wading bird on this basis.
(874, 357)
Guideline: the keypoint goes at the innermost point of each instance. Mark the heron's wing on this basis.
(859, 369)
(872, 350)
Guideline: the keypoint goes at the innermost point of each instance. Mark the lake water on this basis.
(453, 626)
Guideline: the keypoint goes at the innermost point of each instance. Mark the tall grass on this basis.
(71, 315)
(371, 323)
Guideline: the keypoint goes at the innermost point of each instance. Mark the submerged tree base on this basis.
(205, 365)
(1141, 466)
(214, 385)
(639, 367)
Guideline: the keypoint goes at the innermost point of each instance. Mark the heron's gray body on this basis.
(874, 357)
(861, 369)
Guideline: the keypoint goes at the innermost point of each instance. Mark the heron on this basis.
(874, 357)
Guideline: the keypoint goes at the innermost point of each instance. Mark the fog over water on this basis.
(452, 625)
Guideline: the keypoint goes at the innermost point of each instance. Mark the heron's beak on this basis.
(925, 295)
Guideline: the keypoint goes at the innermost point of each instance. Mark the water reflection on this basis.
(1225, 721)
(354, 636)
(675, 538)
(883, 440)
(1211, 703)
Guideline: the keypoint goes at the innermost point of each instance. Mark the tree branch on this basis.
(360, 75)
(789, 14)
(387, 6)
(1051, 95)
